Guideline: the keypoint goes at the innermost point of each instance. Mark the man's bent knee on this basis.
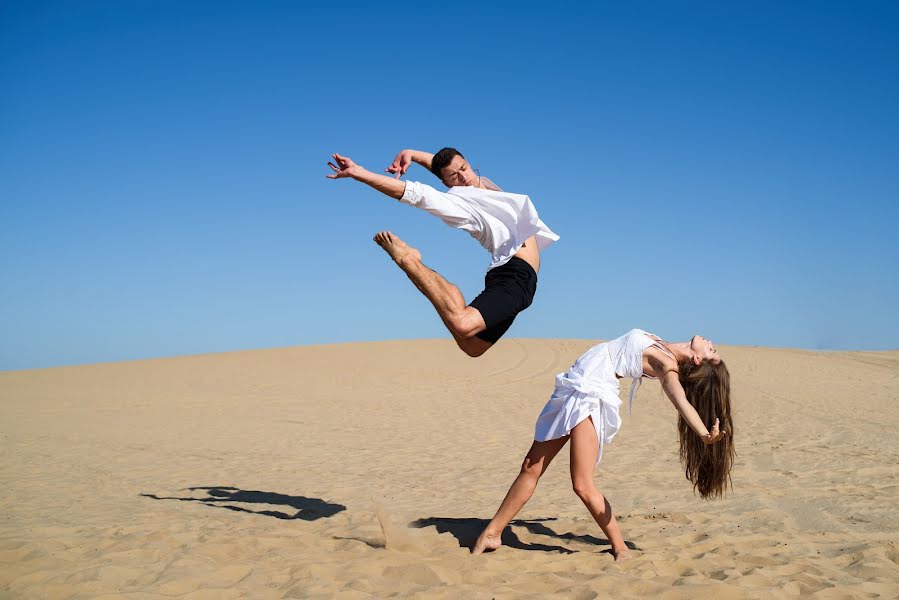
(465, 324)
(473, 346)
(474, 352)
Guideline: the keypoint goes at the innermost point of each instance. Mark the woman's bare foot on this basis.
(622, 554)
(398, 250)
(486, 542)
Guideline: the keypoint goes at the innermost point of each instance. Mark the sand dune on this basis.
(366, 470)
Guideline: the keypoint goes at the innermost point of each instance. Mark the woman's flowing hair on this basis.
(707, 387)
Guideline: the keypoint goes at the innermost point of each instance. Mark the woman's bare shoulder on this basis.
(658, 362)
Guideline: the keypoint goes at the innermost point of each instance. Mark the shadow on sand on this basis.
(468, 530)
(222, 496)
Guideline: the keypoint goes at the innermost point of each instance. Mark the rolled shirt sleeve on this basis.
(451, 209)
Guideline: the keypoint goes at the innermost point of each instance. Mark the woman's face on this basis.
(704, 349)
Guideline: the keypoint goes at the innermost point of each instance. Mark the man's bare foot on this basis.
(621, 555)
(486, 543)
(398, 250)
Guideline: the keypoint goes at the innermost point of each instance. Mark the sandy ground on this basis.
(367, 470)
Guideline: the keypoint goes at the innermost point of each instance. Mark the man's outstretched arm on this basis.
(405, 158)
(345, 167)
(448, 208)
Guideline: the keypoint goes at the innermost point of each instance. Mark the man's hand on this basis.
(714, 435)
(345, 167)
(401, 163)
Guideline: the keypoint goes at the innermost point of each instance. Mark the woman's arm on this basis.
(675, 392)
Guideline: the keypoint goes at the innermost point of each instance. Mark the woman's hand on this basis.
(714, 435)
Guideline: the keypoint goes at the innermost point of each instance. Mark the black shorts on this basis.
(508, 290)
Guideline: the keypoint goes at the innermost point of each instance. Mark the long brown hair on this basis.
(707, 386)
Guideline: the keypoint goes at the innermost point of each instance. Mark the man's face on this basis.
(458, 173)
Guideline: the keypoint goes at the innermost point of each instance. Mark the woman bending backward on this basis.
(584, 408)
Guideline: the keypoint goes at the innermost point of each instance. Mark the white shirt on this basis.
(501, 222)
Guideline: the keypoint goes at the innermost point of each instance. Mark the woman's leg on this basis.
(584, 449)
(534, 465)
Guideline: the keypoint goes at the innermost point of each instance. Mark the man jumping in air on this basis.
(506, 225)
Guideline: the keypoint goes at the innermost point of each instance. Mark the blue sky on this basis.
(722, 168)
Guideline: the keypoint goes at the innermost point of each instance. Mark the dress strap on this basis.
(637, 381)
(660, 344)
(635, 385)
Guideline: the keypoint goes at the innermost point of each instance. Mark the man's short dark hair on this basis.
(442, 159)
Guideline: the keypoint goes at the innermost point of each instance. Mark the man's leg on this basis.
(462, 321)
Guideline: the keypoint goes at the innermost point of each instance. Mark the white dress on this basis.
(590, 388)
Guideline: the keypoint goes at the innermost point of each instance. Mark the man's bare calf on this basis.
(462, 321)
